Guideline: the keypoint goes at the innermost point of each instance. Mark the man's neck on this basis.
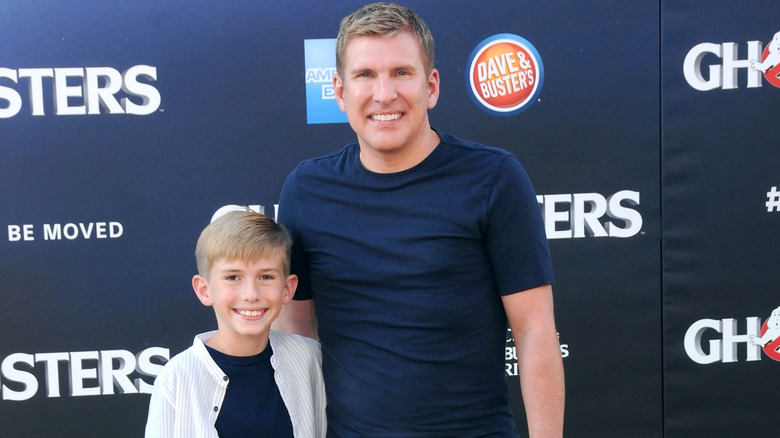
(404, 159)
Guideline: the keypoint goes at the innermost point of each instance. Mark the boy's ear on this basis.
(289, 288)
(201, 286)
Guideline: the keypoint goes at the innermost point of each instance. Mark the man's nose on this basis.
(384, 90)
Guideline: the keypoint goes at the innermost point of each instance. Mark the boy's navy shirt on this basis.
(253, 405)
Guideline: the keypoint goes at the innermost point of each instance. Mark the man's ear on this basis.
(201, 287)
(433, 88)
(289, 288)
(338, 91)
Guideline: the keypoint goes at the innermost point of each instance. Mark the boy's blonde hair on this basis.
(384, 19)
(245, 236)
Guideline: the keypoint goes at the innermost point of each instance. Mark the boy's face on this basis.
(386, 93)
(246, 297)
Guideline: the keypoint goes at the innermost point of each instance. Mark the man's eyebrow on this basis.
(360, 69)
(409, 67)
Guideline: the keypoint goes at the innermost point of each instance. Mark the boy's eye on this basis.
(231, 277)
(266, 277)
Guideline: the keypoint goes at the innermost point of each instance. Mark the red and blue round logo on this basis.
(504, 74)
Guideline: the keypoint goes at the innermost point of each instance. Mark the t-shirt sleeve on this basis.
(515, 233)
(288, 216)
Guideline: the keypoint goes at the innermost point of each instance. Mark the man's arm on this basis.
(297, 317)
(540, 366)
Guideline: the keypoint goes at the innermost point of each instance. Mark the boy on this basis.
(243, 379)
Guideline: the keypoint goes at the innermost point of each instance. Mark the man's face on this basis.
(386, 93)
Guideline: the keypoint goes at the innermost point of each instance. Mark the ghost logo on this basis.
(770, 61)
(770, 333)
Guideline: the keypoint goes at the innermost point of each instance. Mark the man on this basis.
(415, 248)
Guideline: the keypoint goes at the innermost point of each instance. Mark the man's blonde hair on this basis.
(384, 19)
(242, 235)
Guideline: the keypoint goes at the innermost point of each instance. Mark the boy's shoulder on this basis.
(193, 359)
(291, 338)
(283, 342)
(182, 359)
(174, 372)
(178, 362)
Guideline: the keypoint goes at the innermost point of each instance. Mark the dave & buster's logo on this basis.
(504, 74)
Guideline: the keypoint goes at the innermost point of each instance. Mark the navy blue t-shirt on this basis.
(253, 406)
(407, 271)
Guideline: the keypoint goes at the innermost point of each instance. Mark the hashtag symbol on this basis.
(773, 200)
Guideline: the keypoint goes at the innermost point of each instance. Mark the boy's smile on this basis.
(251, 313)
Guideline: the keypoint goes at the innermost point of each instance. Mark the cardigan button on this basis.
(216, 408)
(226, 378)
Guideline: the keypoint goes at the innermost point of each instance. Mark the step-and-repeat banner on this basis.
(647, 130)
(721, 217)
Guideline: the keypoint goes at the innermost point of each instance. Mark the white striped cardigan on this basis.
(189, 391)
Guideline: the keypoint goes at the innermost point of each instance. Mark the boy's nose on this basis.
(251, 292)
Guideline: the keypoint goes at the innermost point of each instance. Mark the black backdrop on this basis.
(101, 211)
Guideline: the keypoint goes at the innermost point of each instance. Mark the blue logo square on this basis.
(320, 64)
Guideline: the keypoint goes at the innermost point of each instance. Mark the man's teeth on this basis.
(386, 117)
(250, 312)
